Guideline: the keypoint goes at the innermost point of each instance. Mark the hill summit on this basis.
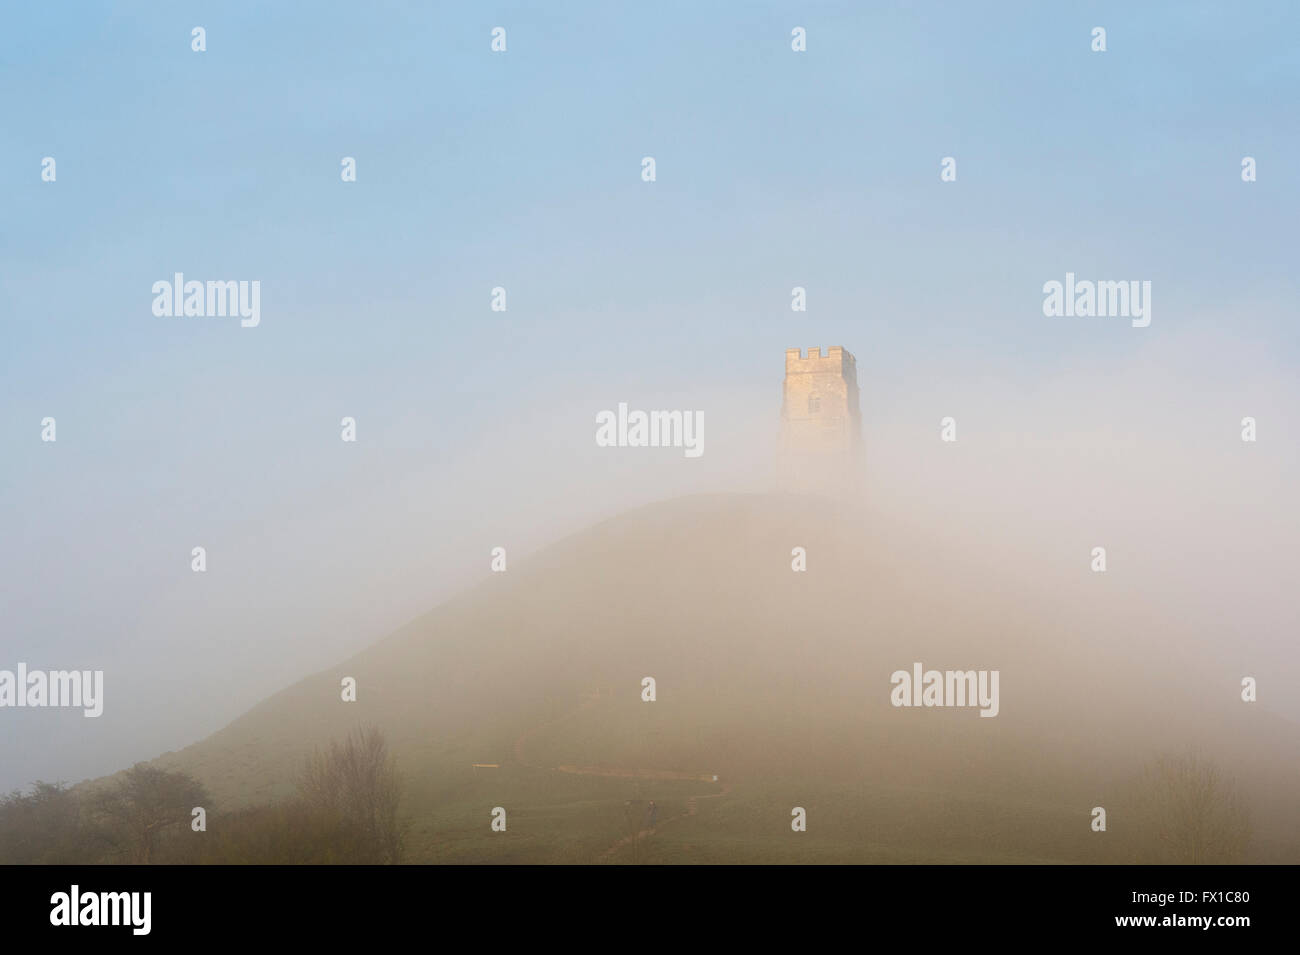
(768, 679)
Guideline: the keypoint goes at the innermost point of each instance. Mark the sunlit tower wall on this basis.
(821, 445)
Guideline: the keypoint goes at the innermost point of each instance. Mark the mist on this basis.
(811, 177)
(1146, 460)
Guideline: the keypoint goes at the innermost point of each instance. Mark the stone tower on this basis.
(821, 424)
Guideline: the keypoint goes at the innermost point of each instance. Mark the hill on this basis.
(777, 683)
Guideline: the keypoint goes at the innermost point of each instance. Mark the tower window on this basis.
(814, 404)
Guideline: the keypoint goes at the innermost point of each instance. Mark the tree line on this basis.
(345, 810)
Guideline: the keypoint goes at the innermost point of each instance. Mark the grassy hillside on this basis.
(777, 683)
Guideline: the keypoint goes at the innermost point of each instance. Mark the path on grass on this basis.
(651, 774)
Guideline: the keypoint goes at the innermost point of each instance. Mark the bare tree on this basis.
(135, 812)
(1185, 811)
(358, 779)
(41, 827)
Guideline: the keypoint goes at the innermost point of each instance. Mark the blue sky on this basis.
(522, 169)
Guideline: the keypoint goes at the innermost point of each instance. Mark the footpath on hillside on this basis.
(657, 775)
